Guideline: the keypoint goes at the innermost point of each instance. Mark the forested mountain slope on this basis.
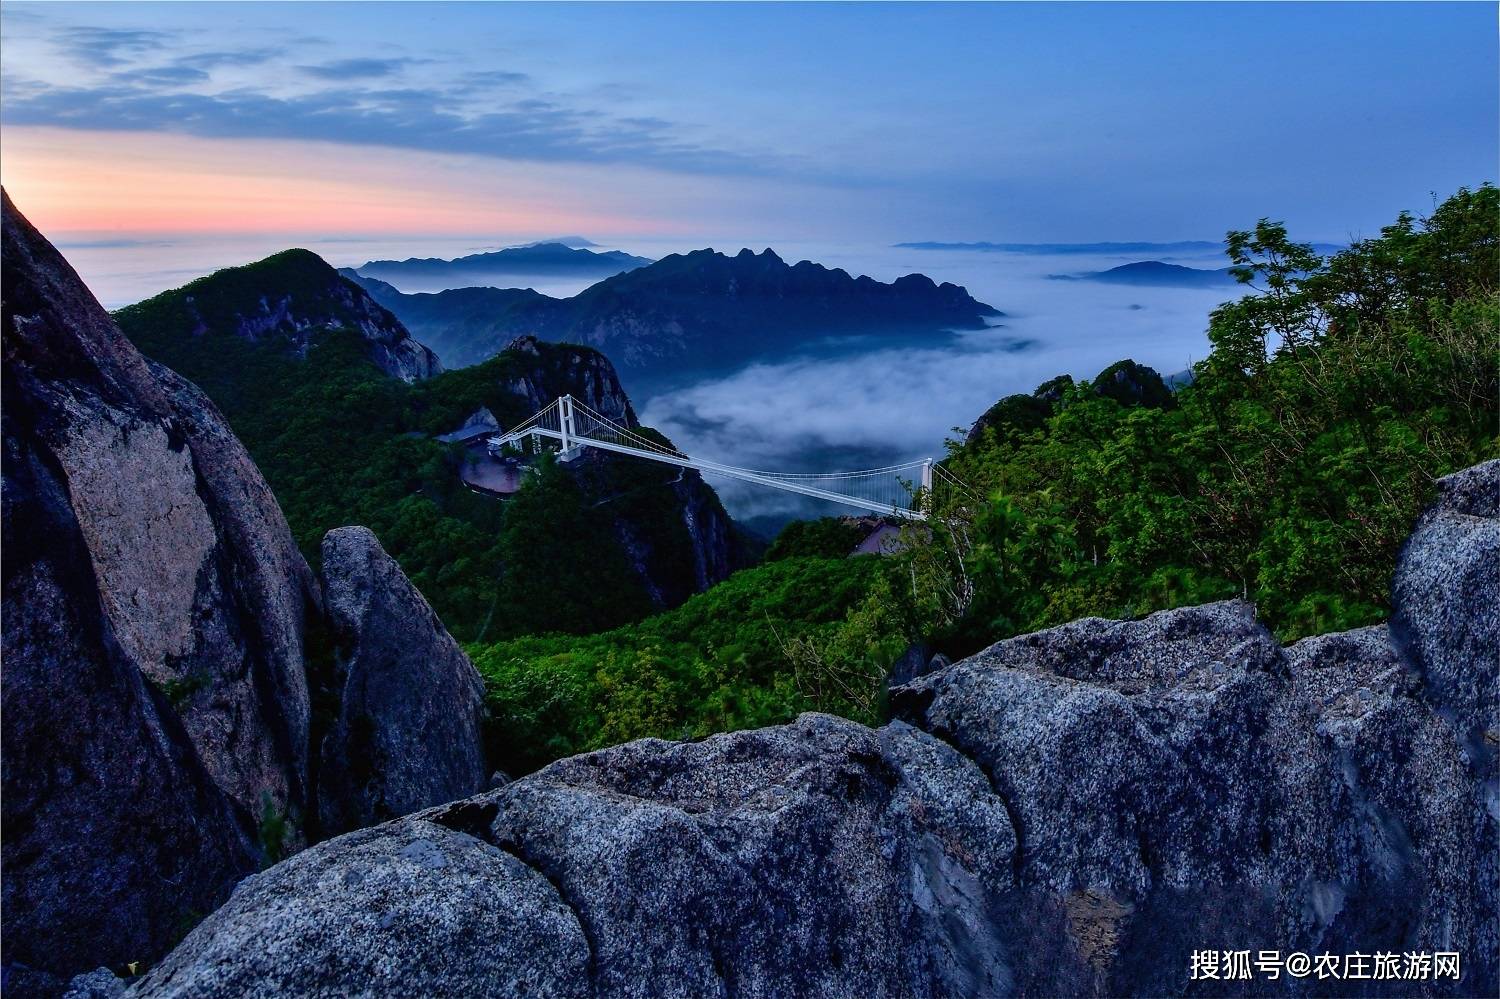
(342, 442)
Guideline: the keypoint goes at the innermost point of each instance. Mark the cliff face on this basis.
(290, 299)
(675, 533)
(158, 730)
(154, 607)
(1073, 812)
(561, 369)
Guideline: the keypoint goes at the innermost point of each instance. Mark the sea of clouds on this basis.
(868, 402)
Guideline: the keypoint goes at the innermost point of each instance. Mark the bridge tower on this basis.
(571, 447)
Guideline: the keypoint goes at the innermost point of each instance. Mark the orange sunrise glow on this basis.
(146, 183)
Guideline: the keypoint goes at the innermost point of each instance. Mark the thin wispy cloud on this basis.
(109, 47)
(208, 61)
(357, 69)
(497, 112)
(493, 78)
(166, 76)
(434, 119)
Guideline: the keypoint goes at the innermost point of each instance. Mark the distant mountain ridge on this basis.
(698, 310)
(450, 321)
(1178, 247)
(547, 259)
(1156, 273)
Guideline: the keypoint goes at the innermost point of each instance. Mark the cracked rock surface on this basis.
(1071, 812)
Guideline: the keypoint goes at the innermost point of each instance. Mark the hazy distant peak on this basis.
(554, 258)
(1156, 273)
(571, 242)
(1186, 247)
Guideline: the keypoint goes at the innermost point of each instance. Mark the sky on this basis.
(739, 124)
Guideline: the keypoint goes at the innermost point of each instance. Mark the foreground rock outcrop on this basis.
(1073, 812)
(1447, 616)
(411, 705)
(153, 615)
(821, 858)
(159, 737)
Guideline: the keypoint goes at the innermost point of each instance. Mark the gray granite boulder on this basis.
(101, 983)
(410, 704)
(1213, 789)
(819, 858)
(410, 908)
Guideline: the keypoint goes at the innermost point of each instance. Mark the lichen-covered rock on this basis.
(101, 983)
(411, 703)
(410, 908)
(1412, 843)
(1446, 619)
(203, 586)
(1108, 737)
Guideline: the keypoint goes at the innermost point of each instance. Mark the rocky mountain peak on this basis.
(290, 298)
(556, 369)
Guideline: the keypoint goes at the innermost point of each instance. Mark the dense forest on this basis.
(1287, 472)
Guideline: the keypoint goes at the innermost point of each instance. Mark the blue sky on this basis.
(888, 122)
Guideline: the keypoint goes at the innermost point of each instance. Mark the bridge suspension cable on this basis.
(904, 490)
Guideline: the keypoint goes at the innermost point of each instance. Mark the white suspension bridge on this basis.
(906, 490)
